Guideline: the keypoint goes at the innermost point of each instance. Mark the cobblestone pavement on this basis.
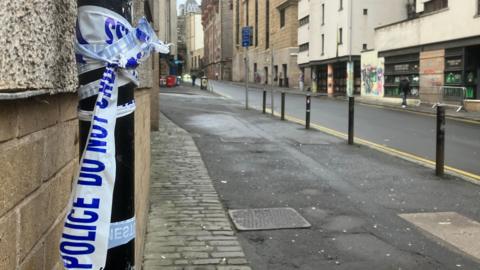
(188, 228)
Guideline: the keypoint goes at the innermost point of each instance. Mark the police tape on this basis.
(104, 39)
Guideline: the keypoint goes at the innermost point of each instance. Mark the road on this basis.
(354, 197)
(409, 132)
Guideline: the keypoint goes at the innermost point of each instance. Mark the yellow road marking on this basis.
(384, 149)
(471, 177)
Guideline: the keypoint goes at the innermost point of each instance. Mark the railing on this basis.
(449, 95)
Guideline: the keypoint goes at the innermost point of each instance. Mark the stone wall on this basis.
(38, 135)
(146, 96)
(39, 141)
(39, 157)
(432, 66)
(142, 169)
(37, 46)
(282, 40)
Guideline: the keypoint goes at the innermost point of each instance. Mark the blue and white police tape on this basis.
(104, 39)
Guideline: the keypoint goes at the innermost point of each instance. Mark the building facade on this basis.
(272, 58)
(432, 59)
(167, 31)
(333, 33)
(194, 37)
(181, 45)
(217, 28)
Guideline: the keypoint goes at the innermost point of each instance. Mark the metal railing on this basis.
(449, 95)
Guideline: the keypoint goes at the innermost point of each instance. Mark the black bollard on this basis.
(264, 106)
(440, 149)
(307, 107)
(351, 115)
(282, 116)
(123, 208)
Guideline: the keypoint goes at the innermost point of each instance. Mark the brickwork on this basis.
(188, 228)
(432, 66)
(39, 153)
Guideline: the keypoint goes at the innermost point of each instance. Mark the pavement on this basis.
(392, 103)
(187, 228)
(368, 210)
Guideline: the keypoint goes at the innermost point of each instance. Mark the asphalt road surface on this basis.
(405, 131)
(353, 196)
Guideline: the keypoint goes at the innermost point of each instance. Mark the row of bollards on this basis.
(440, 135)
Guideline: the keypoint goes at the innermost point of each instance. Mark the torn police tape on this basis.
(104, 40)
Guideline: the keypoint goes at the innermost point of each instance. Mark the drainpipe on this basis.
(350, 65)
(121, 257)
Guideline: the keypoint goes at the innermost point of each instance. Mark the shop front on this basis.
(398, 67)
(462, 68)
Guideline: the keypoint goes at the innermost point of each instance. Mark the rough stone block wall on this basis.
(39, 135)
(37, 45)
(39, 157)
(432, 66)
(142, 169)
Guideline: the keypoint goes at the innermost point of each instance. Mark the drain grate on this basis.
(267, 219)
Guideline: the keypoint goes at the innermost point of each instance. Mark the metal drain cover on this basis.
(267, 219)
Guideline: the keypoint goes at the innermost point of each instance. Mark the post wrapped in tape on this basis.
(104, 39)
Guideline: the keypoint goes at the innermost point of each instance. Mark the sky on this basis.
(179, 2)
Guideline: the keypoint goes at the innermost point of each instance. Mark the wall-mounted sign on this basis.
(453, 63)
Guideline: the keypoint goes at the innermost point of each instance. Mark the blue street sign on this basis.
(247, 36)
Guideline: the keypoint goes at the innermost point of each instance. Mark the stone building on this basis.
(438, 45)
(194, 37)
(217, 28)
(39, 131)
(332, 33)
(273, 54)
(162, 12)
(167, 30)
(181, 45)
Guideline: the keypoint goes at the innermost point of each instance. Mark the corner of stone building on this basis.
(38, 135)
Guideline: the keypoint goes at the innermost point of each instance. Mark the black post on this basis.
(123, 208)
(264, 107)
(351, 122)
(282, 117)
(440, 161)
(307, 116)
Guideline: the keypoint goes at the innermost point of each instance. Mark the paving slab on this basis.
(188, 227)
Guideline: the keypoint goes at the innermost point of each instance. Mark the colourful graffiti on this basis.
(373, 80)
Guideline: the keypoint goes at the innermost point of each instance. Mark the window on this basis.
(267, 24)
(435, 5)
(282, 18)
(237, 22)
(365, 46)
(304, 47)
(323, 44)
(323, 14)
(246, 13)
(365, 11)
(340, 36)
(341, 5)
(256, 23)
(303, 21)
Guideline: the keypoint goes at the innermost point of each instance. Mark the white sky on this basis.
(179, 2)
